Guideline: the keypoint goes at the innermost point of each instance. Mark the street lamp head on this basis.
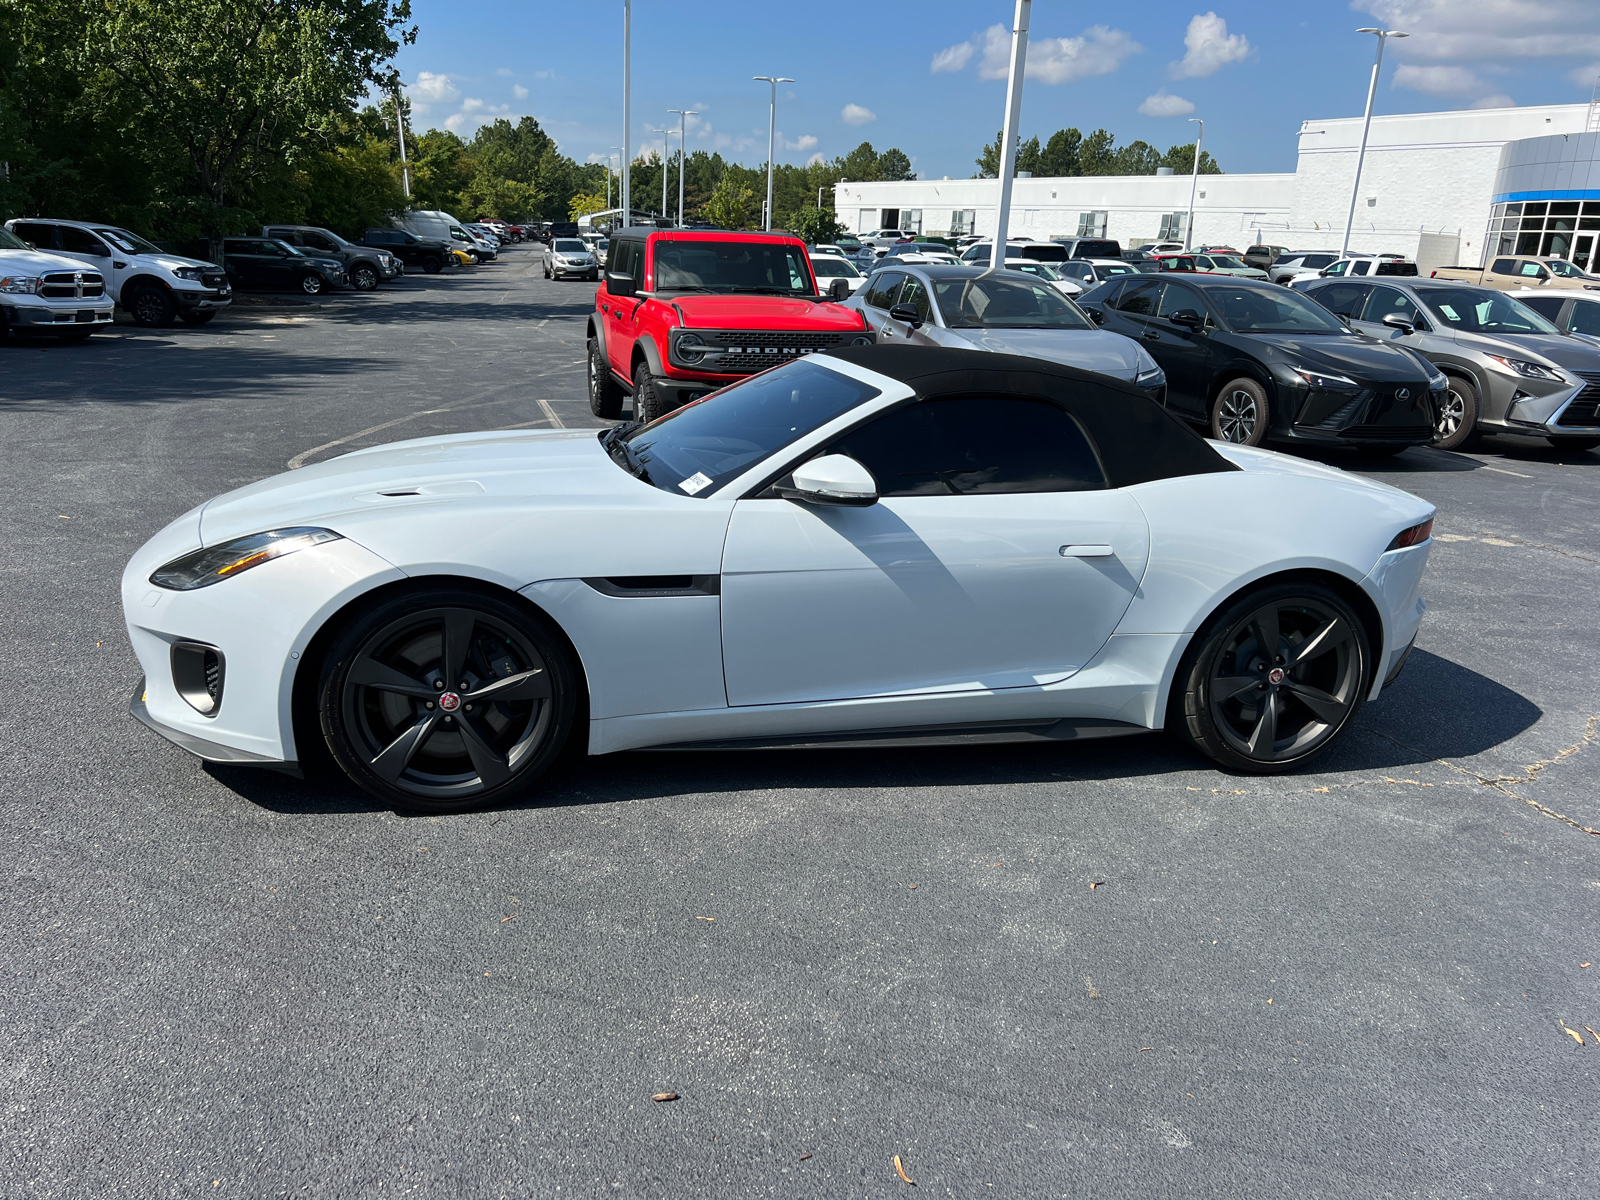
(1384, 32)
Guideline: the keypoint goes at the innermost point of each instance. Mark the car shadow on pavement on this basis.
(1436, 709)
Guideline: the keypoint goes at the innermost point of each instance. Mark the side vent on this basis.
(198, 674)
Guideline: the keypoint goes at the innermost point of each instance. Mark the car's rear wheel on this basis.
(446, 699)
(1455, 425)
(1240, 413)
(1578, 444)
(313, 284)
(605, 397)
(648, 402)
(152, 306)
(364, 278)
(1270, 683)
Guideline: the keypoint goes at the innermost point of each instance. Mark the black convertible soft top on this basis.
(1139, 441)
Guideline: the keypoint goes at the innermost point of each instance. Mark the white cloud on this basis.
(469, 105)
(1209, 47)
(433, 88)
(1164, 105)
(1499, 100)
(1099, 50)
(855, 114)
(503, 71)
(816, 160)
(520, 92)
(1438, 81)
(952, 58)
(454, 122)
(1586, 76)
(1490, 30)
(802, 143)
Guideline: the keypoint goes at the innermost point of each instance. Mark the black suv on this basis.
(365, 266)
(430, 254)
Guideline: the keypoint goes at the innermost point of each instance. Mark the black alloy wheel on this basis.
(447, 699)
(605, 397)
(1455, 425)
(648, 403)
(1240, 413)
(152, 306)
(1273, 681)
(197, 318)
(364, 277)
(433, 264)
(313, 284)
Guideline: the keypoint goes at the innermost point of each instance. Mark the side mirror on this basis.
(834, 479)
(1543, 276)
(1396, 321)
(907, 315)
(1096, 315)
(1188, 318)
(620, 284)
(839, 290)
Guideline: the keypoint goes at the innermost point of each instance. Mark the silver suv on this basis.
(1510, 370)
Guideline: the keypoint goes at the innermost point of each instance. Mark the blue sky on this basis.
(930, 78)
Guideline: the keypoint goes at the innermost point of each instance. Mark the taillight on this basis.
(1413, 536)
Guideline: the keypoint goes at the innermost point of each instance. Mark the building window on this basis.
(911, 220)
(1092, 224)
(963, 220)
(1171, 227)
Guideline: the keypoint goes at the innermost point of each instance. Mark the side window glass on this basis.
(317, 242)
(1344, 299)
(881, 295)
(1503, 266)
(1585, 318)
(975, 446)
(914, 294)
(1337, 268)
(1141, 299)
(1386, 300)
(36, 233)
(1360, 268)
(1529, 268)
(1179, 299)
(81, 241)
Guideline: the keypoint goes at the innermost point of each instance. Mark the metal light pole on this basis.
(608, 175)
(627, 51)
(665, 134)
(683, 146)
(772, 125)
(1008, 136)
(400, 127)
(1366, 127)
(1194, 181)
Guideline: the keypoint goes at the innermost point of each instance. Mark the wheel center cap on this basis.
(1273, 676)
(449, 701)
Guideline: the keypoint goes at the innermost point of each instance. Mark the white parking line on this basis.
(1503, 471)
(551, 413)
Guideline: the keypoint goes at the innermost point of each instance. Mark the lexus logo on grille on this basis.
(1402, 393)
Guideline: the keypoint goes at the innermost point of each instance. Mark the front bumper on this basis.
(73, 314)
(202, 299)
(1375, 415)
(200, 747)
(1566, 412)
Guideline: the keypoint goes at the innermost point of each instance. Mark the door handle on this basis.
(1087, 551)
(1151, 335)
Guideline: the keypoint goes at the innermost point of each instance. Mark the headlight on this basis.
(862, 339)
(691, 347)
(20, 285)
(190, 273)
(1438, 381)
(1526, 369)
(1322, 381)
(216, 563)
(1153, 377)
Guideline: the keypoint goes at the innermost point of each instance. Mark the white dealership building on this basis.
(1442, 187)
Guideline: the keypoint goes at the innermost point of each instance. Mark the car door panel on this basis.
(922, 593)
(620, 314)
(1185, 354)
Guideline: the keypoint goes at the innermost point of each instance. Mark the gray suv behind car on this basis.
(364, 266)
(1510, 370)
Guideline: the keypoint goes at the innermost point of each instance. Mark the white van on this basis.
(443, 226)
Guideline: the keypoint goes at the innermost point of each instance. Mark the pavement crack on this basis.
(1530, 773)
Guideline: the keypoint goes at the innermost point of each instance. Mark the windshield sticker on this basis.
(1450, 313)
(698, 482)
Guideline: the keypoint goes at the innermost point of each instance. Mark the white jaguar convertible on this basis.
(873, 546)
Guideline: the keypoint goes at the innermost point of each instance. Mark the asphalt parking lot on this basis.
(1095, 970)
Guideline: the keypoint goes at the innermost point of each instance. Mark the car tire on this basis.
(385, 669)
(196, 318)
(1224, 699)
(433, 264)
(313, 284)
(1578, 444)
(152, 307)
(364, 278)
(1455, 426)
(605, 397)
(648, 403)
(1240, 413)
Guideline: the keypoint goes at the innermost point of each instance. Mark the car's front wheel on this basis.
(1271, 682)
(1240, 413)
(1455, 425)
(648, 402)
(433, 264)
(152, 306)
(364, 278)
(447, 699)
(605, 397)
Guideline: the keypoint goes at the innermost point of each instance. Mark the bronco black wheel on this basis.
(605, 397)
(648, 402)
(447, 699)
(1275, 679)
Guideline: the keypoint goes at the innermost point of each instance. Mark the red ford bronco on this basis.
(681, 313)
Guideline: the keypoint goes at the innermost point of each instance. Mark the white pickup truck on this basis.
(155, 287)
(49, 294)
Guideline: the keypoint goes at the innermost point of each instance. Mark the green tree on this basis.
(232, 81)
(1181, 160)
(1136, 158)
(812, 224)
(1098, 154)
(1028, 155)
(729, 204)
(583, 204)
(1060, 155)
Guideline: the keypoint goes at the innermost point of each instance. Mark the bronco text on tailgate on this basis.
(681, 313)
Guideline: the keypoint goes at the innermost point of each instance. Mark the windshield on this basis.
(697, 448)
(1560, 267)
(290, 248)
(1227, 262)
(1478, 310)
(726, 266)
(1110, 272)
(834, 268)
(1315, 262)
(10, 241)
(1257, 310)
(1032, 268)
(988, 302)
(569, 246)
(131, 243)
